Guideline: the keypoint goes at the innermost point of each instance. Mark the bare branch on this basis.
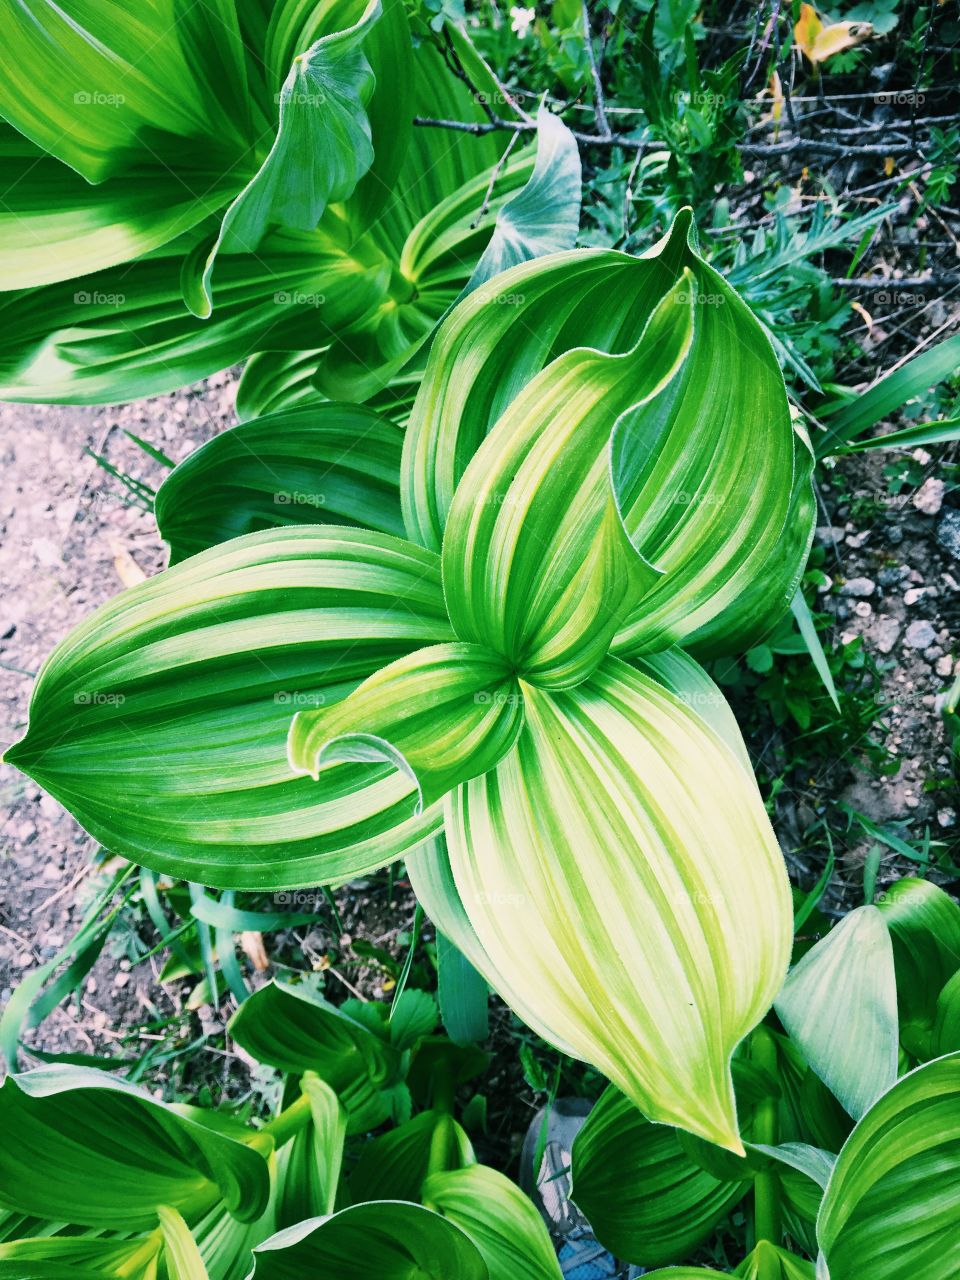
(598, 104)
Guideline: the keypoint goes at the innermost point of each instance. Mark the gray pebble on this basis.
(919, 635)
(858, 587)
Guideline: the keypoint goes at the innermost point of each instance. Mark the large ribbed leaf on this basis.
(537, 564)
(322, 148)
(124, 332)
(161, 721)
(125, 96)
(54, 225)
(309, 1165)
(181, 1255)
(893, 1203)
(924, 924)
(329, 464)
(102, 84)
(946, 1031)
(394, 1165)
(433, 882)
(500, 1220)
(435, 257)
(705, 486)
(545, 216)
(619, 805)
(839, 1005)
(388, 1239)
(766, 1262)
(80, 1258)
(81, 1146)
(647, 1201)
(295, 1030)
(439, 716)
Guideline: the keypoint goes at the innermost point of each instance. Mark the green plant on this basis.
(848, 1102)
(98, 1178)
(442, 596)
(610, 552)
(296, 217)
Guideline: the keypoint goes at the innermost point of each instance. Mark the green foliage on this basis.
(442, 597)
(115, 1183)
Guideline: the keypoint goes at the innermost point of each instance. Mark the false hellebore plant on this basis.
(155, 230)
(600, 476)
(115, 1184)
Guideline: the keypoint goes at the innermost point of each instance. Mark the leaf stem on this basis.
(766, 1187)
(289, 1121)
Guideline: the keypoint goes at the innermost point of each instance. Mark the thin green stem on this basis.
(766, 1187)
(289, 1122)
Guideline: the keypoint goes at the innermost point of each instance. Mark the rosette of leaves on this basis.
(600, 468)
(190, 185)
(849, 1119)
(99, 1179)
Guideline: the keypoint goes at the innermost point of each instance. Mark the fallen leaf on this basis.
(254, 950)
(862, 311)
(819, 42)
(128, 571)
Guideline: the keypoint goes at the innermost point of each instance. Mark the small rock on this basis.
(913, 595)
(50, 808)
(944, 666)
(929, 497)
(947, 817)
(933, 653)
(886, 633)
(863, 608)
(892, 577)
(858, 587)
(121, 979)
(948, 532)
(856, 540)
(894, 535)
(919, 635)
(828, 535)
